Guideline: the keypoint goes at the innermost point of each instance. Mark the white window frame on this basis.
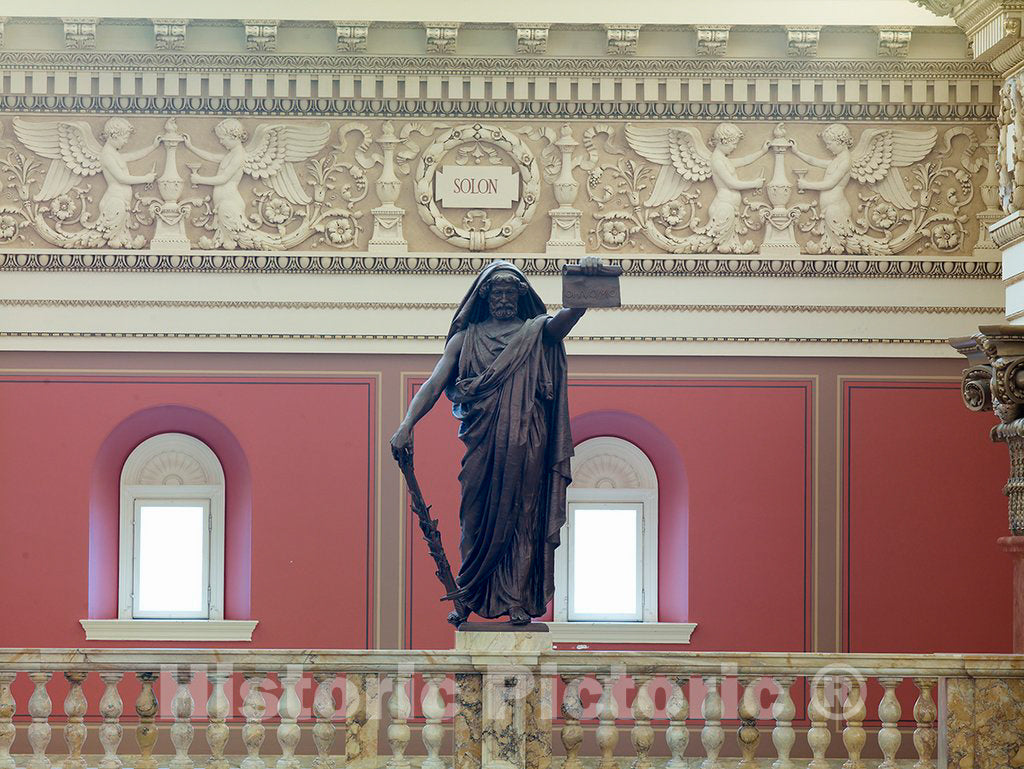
(638, 485)
(210, 495)
(611, 499)
(164, 501)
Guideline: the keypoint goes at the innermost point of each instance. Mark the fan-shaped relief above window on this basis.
(172, 531)
(606, 569)
(612, 463)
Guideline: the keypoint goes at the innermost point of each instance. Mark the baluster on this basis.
(433, 732)
(111, 708)
(39, 707)
(182, 731)
(75, 706)
(854, 736)
(783, 710)
(572, 732)
(925, 712)
(607, 732)
(7, 730)
(216, 730)
(889, 713)
(399, 708)
(145, 732)
(712, 736)
(747, 735)
(818, 736)
(254, 708)
(642, 734)
(677, 735)
(288, 732)
(324, 708)
(362, 716)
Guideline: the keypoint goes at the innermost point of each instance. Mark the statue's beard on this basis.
(503, 311)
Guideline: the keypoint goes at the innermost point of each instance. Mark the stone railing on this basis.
(500, 706)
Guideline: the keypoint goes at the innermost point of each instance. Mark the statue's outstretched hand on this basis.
(401, 443)
(590, 265)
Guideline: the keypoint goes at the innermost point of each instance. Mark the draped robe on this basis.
(510, 396)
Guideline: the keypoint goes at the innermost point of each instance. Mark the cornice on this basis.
(486, 65)
(351, 263)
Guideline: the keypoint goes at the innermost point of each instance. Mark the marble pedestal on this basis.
(1014, 546)
(985, 723)
(504, 708)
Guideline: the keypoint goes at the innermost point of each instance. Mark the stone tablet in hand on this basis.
(595, 290)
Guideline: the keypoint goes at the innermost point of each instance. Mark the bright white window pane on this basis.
(604, 561)
(171, 558)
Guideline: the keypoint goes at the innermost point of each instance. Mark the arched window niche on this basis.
(609, 561)
(171, 457)
(622, 460)
(171, 548)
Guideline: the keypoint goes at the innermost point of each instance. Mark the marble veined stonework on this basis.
(985, 723)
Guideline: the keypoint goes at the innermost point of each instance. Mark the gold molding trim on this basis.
(441, 337)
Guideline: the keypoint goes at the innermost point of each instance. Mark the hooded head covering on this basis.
(473, 307)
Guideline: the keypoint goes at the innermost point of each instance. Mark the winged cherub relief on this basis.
(874, 161)
(685, 159)
(74, 155)
(269, 157)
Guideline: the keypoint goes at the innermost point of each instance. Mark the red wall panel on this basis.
(746, 449)
(310, 445)
(922, 509)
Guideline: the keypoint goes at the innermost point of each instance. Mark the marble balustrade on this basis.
(256, 709)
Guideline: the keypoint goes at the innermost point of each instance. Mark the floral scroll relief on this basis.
(663, 203)
(664, 187)
(397, 151)
(270, 157)
(304, 198)
(61, 202)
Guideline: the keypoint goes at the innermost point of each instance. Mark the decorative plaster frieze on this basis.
(366, 263)
(803, 40)
(532, 39)
(261, 34)
(80, 33)
(169, 34)
(894, 42)
(352, 36)
(442, 36)
(677, 188)
(622, 39)
(712, 39)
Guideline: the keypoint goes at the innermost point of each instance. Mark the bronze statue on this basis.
(504, 370)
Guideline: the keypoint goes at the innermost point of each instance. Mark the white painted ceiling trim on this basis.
(659, 12)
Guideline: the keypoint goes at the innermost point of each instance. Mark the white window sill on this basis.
(621, 632)
(168, 629)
